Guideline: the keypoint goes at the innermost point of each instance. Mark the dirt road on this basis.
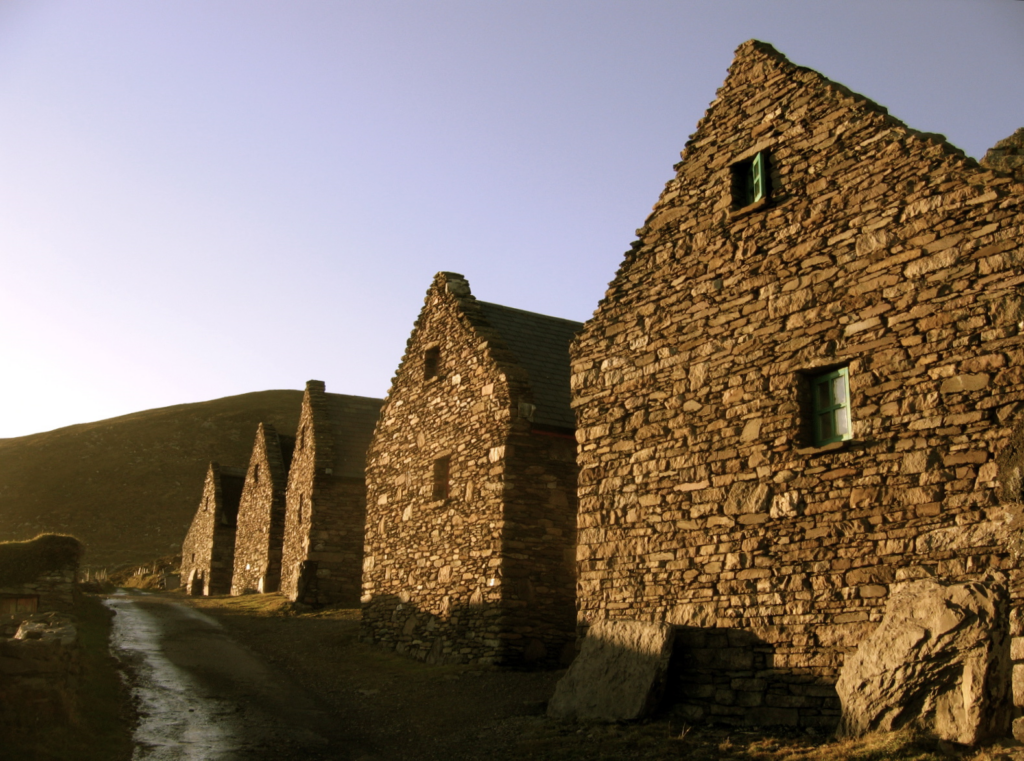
(202, 696)
(225, 679)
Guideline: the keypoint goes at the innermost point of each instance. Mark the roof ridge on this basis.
(534, 314)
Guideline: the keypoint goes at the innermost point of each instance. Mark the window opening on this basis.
(431, 363)
(831, 395)
(750, 180)
(442, 467)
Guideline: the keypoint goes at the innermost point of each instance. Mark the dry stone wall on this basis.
(207, 554)
(326, 498)
(1007, 156)
(40, 669)
(471, 508)
(259, 538)
(53, 589)
(704, 499)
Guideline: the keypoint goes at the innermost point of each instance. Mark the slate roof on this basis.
(541, 346)
(353, 419)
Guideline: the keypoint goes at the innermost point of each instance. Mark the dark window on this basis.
(256, 472)
(442, 467)
(750, 180)
(830, 396)
(431, 363)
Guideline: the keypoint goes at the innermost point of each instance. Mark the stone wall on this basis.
(207, 554)
(704, 499)
(38, 575)
(260, 534)
(1007, 155)
(326, 498)
(471, 508)
(40, 668)
(52, 590)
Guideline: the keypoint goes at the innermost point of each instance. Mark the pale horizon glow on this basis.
(210, 197)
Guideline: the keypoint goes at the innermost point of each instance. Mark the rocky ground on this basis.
(392, 708)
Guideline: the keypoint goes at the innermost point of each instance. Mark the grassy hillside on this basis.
(128, 486)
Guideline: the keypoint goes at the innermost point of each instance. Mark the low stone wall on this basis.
(55, 590)
(40, 669)
(728, 676)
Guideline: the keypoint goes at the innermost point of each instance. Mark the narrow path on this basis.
(203, 697)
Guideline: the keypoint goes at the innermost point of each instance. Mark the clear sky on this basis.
(202, 198)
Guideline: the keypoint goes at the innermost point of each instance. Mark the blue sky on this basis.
(205, 198)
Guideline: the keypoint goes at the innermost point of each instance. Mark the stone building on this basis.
(259, 538)
(326, 498)
(207, 554)
(799, 391)
(471, 480)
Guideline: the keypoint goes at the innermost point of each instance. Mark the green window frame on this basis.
(830, 393)
(750, 180)
(758, 177)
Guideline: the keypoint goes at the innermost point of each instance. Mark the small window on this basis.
(441, 476)
(431, 363)
(750, 180)
(256, 472)
(830, 394)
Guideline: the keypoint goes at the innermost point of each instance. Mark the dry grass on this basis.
(22, 562)
(129, 486)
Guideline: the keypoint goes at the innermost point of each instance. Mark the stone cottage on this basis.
(207, 554)
(471, 480)
(799, 390)
(326, 498)
(260, 534)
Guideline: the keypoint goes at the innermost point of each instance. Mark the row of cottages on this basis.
(471, 488)
(293, 521)
(803, 388)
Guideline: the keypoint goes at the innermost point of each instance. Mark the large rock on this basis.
(940, 660)
(619, 674)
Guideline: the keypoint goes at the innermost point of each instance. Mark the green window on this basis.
(831, 394)
(750, 180)
(758, 178)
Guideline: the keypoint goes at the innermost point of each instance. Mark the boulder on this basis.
(619, 674)
(940, 660)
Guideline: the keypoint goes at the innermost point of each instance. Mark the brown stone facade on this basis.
(259, 538)
(708, 497)
(1007, 155)
(326, 498)
(471, 476)
(207, 554)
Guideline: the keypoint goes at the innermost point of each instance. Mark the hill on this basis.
(129, 486)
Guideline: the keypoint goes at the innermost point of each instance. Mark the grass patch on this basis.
(24, 562)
